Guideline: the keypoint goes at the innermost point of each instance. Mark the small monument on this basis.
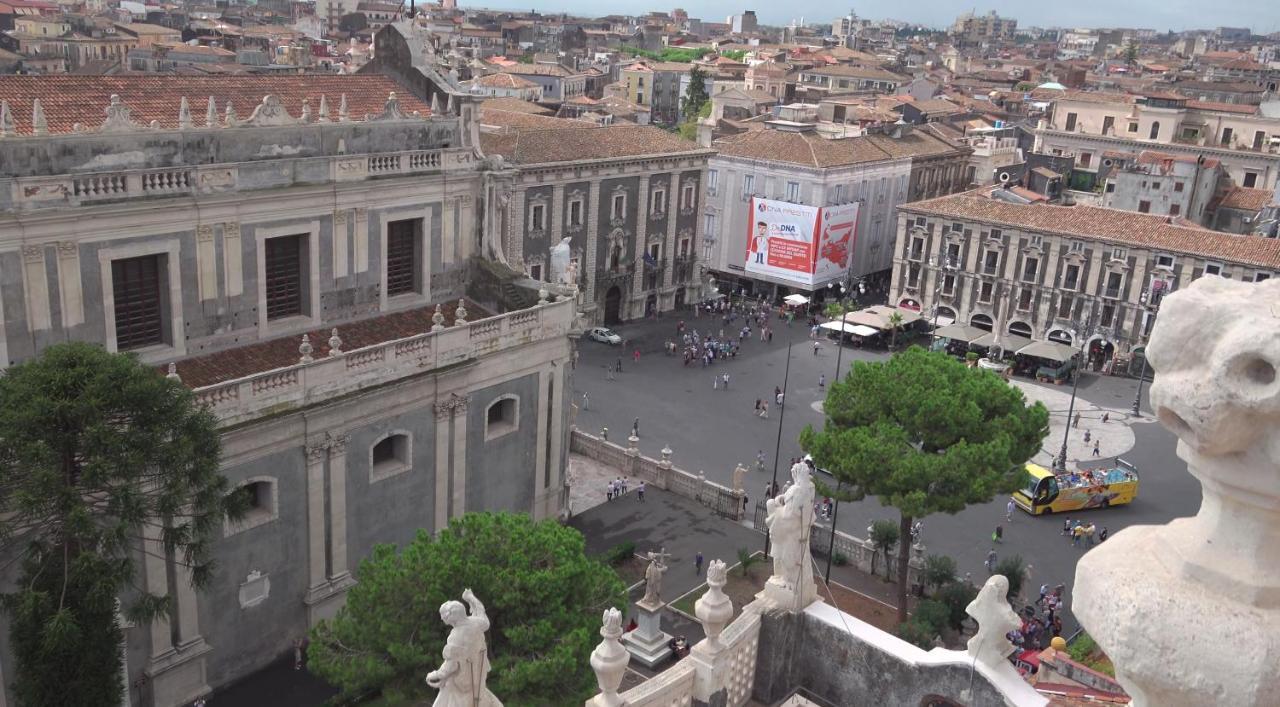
(790, 520)
(648, 643)
(461, 677)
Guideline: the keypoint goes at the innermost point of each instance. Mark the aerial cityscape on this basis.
(364, 353)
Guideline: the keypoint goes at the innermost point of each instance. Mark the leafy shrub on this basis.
(917, 633)
(956, 596)
(1014, 570)
(620, 553)
(840, 559)
(938, 571)
(934, 614)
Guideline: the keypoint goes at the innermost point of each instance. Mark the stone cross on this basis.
(995, 618)
(653, 577)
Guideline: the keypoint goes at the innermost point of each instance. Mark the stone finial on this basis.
(995, 618)
(666, 455)
(460, 314)
(77, 127)
(211, 114)
(437, 319)
(230, 120)
(6, 120)
(1216, 575)
(335, 342)
(173, 373)
(154, 125)
(342, 109)
(609, 660)
(435, 104)
(119, 117)
(306, 112)
(714, 609)
(448, 108)
(391, 109)
(542, 295)
(304, 350)
(39, 125)
(184, 114)
(323, 116)
(270, 113)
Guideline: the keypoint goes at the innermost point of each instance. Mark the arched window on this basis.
(981, 321)
(1155, 130)
(1020, 329)
(390, 454)
(502, 417)
(262, 501)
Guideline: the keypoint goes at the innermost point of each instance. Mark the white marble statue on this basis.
(1189, 612)
(461, 678)
(995, 618)
(653, 577)
(559, 260)
(790, 519)
(570, 276)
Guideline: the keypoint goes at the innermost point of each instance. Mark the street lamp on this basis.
(777, 448)
(1146, 299)
(947, 266)
(1061, 462)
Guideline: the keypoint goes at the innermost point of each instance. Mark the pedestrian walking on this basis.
(608, 495)
(697, 563)
(1106, 416)
(635, 356)
(1102, 537)
(822, 381)
(1077, 534)
(768, 490)
(640, 492)
(619, 364)
(779, 399)
(998, 534)
(725, 379)
(760, 460)
(1096, 451)
(816, 346)
(991, 561)
(1087, 436)
(1077, 421)
(1008, 511)
(764, 410)
(608, 372)
(297, 653)
(1066, 526)
(715, 381)
(635, 427)
(586, 402)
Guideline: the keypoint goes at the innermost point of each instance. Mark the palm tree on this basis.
(884, 535)
(895, 321)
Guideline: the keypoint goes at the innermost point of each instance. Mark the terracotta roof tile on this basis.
(581, 141)
(812, 150)
(68, 100)
(504, 81)
(514, 105)
(243, 361)
(1108, 225)
(1246, 199)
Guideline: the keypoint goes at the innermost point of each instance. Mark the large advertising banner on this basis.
(805, 245)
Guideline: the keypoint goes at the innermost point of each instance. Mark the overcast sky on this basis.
(1263, 16)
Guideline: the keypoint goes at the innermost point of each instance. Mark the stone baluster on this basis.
(714, 609)
(460, 314)
(1215, 576)
(304, 350)
(664, 467)
(173, 373)
(437, 319)
(609, 661)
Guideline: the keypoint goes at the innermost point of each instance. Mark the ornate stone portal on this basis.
(461, 678)
(1189, 612)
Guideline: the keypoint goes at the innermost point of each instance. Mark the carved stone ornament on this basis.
(460, 314)
(119, 118)
(305, 349)
(995, 618)
(1214, 578)
(335, 343)
(342, 109)
(204, 233)
(7, 126)
(230, 120)
(437, 319)
(390, 110)
(39, 125)
(714, 609)
(609, 660)
(270, 112)
(323, 115)
(211, 113)
(184, 114)
(462, 676)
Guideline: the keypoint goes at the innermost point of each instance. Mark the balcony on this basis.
(295, 384)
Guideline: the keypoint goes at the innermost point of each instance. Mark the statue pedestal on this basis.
(648, 643)
(778, 592)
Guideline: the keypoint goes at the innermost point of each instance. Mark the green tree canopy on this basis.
(696, 96)
(95, 450)
(543, 595)
(925, 434)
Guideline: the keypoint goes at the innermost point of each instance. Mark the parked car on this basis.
(604, 335)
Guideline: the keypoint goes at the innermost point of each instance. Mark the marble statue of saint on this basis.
(559, 261)
(789, 517)
(653, 577)
(461, 678)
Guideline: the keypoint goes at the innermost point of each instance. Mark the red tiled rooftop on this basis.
(68, 100)
(231, 364)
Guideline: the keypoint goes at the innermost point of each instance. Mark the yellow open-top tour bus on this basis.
(1046, 492)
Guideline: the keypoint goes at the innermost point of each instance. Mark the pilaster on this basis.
(341, 239)
(448, 232)
(232, 259)
(443, 414)
(317, 566)
(206, 262)
(515, 229)
(36, 284)
(338, 506)
(362, 239)
(540, 472)
(157, 582)
(669, 250)
(466, 227)
(642, 234)
(555, 470)
(588, 269)
(459, 404)
(557, 216)
(70, 288)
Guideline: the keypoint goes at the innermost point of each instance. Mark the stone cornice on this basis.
(1162, 146)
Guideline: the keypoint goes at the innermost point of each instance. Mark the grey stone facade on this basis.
(206, 199)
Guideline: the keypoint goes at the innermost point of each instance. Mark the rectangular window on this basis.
(793, 191)
(1071, 277)
(535, 272)
(990, 262)
(575, 212)
(284, 273)
(659, 205)
(1108, 124)
(1085, 158)
(1155, 186)
(1071, 122)
(537, 217)
(1177, 186)
(917, 249)
(1213, 268)
(1030, 268)
(619, 205)
(1250, 180)
(1258, 137)
(1260, 276)
(996, 234)
(948, 284)
(1226, 136)
(687, 196)
(1133, 127)
(1118, 254)
(1114, 282)
(1064, 306)
(953, 255)
(1111, 187)
(1144, 207)
(748, 184)
(913, 275)
(984, 293)
(1164, 261)
(1108, 314)
(1024, 299)
(713, 181)
(1077, 246)
(839, 197)
(684, 247)
(1174, 209)
(135, 286)
(402, 257)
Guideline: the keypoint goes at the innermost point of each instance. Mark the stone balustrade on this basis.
(671, 688)
(296, 386)
(69, 190)
(720, 499)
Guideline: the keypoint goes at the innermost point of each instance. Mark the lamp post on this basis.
(942, 264)
(777, 448)
(1061, 462)
(1147, 299)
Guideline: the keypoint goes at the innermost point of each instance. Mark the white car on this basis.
(604, 335)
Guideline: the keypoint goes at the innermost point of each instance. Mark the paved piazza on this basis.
(713, 429)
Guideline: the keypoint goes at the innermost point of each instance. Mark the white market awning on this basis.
(877, 316)
(796, 300)
(943, 321)
(854, 329)
(1010, 342)
(864, 331)
(1050, 350)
